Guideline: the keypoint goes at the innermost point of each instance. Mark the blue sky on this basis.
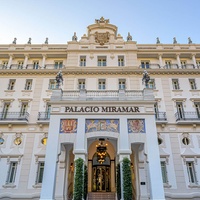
(59, 19)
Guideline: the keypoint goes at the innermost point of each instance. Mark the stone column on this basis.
(155, 176)
(25, 61)
(160, 60)
(50, 170)
(43, 60)
(194, 60)
(178, 60)
(10, 60)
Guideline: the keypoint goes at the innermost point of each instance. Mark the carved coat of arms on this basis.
(102, 38)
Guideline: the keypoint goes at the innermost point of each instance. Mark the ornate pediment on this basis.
(102, 38)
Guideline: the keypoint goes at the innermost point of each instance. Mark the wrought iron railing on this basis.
(43, 115)
(187, 116)
(53, 66)
(19, 116)
(160, 116)
(149, 66)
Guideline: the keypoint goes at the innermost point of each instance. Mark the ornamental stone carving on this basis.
(102, 38)
(101, 20)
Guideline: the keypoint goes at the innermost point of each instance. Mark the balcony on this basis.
(53, 66)
(14, 117)
(161, 117)
(33, 66)
(149, 66)
(187, 117)
(43, 116)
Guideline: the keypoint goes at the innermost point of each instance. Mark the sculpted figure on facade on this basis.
(59, 79)
(74, 37)
(129, 37)
(174, 40)
(146, 78)
(189, 41)
(157, 40)
(46, 41)
(15, 41)
(29, 41)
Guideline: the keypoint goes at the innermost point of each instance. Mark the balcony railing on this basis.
(43, 115)
(171, 66)
(53, 66)
(184, 116)
(32, 66)
(11, 116)
(160, 116)
(149, 66)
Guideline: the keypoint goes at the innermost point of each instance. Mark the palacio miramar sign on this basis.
(102, 109)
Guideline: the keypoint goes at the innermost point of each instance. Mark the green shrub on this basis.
(118, 182)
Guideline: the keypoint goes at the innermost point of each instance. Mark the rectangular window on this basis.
(101, 61)
(180, 110)
(81, 84)
(40, 172)
(120, 60)
(24, 107)
(11, 172)
(197, 107)
(145, 64)
(28, 84)
(192, 84)
(48, 111)
(20, 65)
(83, 61)
(164, 171)
(191, 172)
(183, 64)
(11, 84)
(102, 84)
(52, 84)
(35, 64)
(152, 84)
(5, 110)
(122, 84)
(58, 65)
(175, 84)
(198, 63)
(4, 64)
(168, 64)
(156, 110)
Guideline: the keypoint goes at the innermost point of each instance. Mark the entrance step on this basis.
(101, 196)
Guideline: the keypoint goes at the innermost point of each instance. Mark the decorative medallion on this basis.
(102, 38)
(68, 126)
(18, 141)
(110, 125)
(136, 126)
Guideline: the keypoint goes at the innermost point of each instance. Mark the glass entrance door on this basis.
(101, 179)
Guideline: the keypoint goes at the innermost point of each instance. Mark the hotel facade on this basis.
(101, 103)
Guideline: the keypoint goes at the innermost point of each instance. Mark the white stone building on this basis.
(102, 100)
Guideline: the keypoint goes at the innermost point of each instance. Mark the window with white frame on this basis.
(35, 64)
(164, 172)
(81, 84)
(4, 64)
(198, 63)
(152, 83)
(28, 84)
(168, 64)
(175, 84)
(197, 107)
(83, 61)
(58, 64)
(5, 113)
(24, 107)
(52, 84)
(191, 172)
(183, 63)
(180, 110)
(40, 172)
(20, 65)
(11, 84)
(102, 61)
(11, 173)
(48, 111)
(192, 84)
(145, 65)
(122, 84)
(120, 60)
(102, 84)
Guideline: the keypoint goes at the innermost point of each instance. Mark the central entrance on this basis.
(101, 175)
